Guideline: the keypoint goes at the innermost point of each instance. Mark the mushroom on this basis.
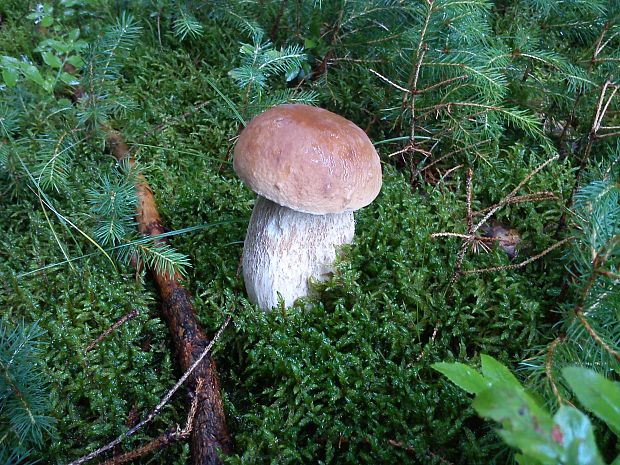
(311, 169)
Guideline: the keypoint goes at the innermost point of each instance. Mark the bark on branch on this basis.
(209, 435)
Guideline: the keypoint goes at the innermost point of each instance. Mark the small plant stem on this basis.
(171, 436)
(470, 176)
(549, 368)
(523, 263)
(129, 316)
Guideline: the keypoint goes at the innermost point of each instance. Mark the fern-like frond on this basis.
(113, 205)
(187, 25)
(9, 120)
(101, 71)
(53, 159)
(24, 400)
(118, 41)
(162, 258)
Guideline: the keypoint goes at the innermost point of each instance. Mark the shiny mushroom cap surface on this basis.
(308, 159)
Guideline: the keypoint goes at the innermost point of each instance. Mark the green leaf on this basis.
(496, 372)
(463, 376)
(309, 43)
(535, 446)
(69, 79)
(597, 394)
(521, 459)
(47, 21)
(292, 73)
(10, 76)
(573, 431)
(74, 35)
(76, 61)
(48, 84)
(31, 72)
(60, 46)
(512, 404)
(51, 60)
(526, 426)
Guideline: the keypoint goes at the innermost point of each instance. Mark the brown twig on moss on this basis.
(471, 239)
(535, 197)
(594, 335)
(549, 368)
(128, 316)
(171, 436)
(163, 402)
(210, 436)
(523, 263)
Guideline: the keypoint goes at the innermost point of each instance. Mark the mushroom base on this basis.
(285, 249)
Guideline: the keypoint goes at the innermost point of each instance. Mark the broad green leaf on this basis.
(51, 60)
(74, 35)
(47, 21)
(511, 404)
(463, 376)
(537, 447)
(523, 460)
(32, 73)
(597, 394)
(309, 43)
(291, 73)
(76, 61)
(616, 461)
(10, 76)
(69, 79)
(496, 372)
(526, 426)
(9, 62)
(573, 431)
(59, 45)
(48, 84)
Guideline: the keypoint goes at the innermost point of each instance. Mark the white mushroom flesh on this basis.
(285, 249)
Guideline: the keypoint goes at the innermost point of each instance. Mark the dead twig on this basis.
(165, 439)
(582, 319)
(129, 316)
(471, 239)
(549, 369)
(535, 197)
(393, 84)
(523, 263)
(153, 413)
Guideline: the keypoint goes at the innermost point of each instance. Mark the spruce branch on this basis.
(187, 25)
(24, 401)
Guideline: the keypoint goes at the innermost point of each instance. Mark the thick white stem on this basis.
(285, 248)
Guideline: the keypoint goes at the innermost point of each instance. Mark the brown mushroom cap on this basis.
(308, 159)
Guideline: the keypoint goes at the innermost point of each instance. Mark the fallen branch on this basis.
(210, 435)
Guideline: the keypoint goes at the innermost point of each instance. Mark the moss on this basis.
(341, 378)
(338, 380)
